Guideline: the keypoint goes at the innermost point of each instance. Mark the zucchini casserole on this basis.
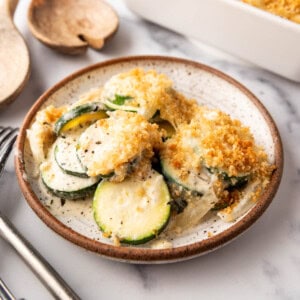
(144, 154)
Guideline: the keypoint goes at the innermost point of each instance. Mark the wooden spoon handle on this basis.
(8, 8)
(96, 43)
(12, 5)
(14, 56)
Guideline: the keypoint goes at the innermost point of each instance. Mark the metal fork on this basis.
(5, 293)
(42, 269)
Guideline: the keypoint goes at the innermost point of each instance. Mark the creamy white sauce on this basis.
(161, 244)
(66, 153)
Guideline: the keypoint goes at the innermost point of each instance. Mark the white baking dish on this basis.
(238, 28)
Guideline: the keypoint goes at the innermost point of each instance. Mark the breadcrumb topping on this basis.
(215, 140)
(92, 96)
(199, 143)
(289, 9)
(144, 87)
(41, 133)
(176, 108)
(110, 143)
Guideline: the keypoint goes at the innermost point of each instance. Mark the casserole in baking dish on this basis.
(253, 34)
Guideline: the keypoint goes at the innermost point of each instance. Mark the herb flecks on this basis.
(120, 99)
(178, 205)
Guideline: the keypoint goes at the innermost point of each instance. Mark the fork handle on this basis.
(8, 7)
(5, 293)
(43, 270)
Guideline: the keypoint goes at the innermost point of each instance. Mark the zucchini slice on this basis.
(193, 181)
(196, 207)
(164, 125)
(246, 201)
(124, 103)
(66, 155)
(167, 127)
(193, 195)
(119, 103)
(120, 144)
(64, 185)
(80, 115)
(133, 211)
(230, 182)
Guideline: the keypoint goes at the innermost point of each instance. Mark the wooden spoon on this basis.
(14, 55)
(70, 26)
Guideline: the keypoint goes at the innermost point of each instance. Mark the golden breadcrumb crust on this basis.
(289, 9)
(217, 141)
(132, 136)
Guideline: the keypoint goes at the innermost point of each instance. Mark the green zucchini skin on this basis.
(119, 103)
(231, 182)
(111, 106)
(156, 210)
(235, 182)
(163, 124)
(130, 167)
(147, 238)
(92, 152)
(64, 185)
(181, 196)
(193, 183)
(72, 195)
(88, 110)
(64, 159)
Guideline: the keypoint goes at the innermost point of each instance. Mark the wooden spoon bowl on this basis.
(14, 55)
(70, 26)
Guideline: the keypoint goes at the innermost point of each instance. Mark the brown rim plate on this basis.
(210, 87)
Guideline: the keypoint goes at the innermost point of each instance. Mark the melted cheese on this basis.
(110, 143)
(145, 87)
(41, 134)
(246, 201)
(92, 96)
(133, 209)
(217, 141)
(125, 143)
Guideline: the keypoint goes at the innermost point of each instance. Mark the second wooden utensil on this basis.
(71, 26)
(14, 55)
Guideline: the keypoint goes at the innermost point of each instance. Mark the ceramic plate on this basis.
(74, 220)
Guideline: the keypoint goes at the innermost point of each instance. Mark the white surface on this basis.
(250, 33)
(264, 263)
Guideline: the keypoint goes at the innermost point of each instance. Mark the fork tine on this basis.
(6, 143)
(5, 133)
(5, 293)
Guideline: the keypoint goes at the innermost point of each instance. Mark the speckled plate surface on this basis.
(74, 220)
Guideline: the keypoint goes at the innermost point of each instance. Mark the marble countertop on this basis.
(263, 263)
